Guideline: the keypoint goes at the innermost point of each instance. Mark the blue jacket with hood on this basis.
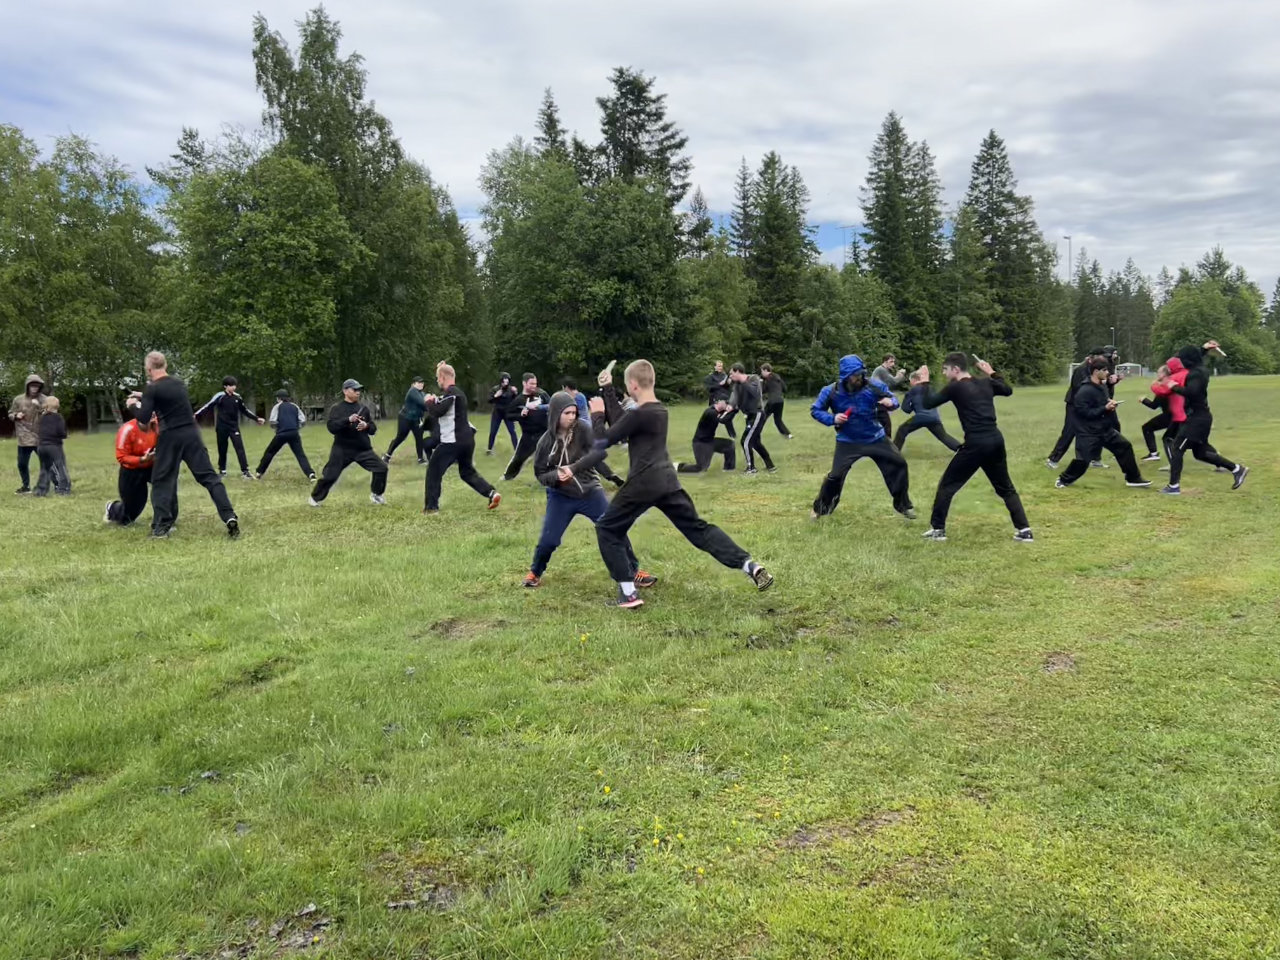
(862, 425)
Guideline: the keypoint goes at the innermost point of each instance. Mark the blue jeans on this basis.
(560, 513)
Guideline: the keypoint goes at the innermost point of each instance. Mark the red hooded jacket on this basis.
(133, 444)
(1177, 403)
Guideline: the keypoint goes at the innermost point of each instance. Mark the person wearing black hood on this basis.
(719, 389)
(502, 396)
(567, 463)
(410, 421)
(531, 409)
(1194, 435)
(286, 418)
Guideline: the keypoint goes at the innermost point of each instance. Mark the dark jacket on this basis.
(718, 386)
(773, 386)
(287, 417)
(502, 396)
(578, 453)
(535, 421)
(52, 430)
(1079, 377)
(911, 404)
(863, 425)
(1093, 419)
(229, 409)
(344, 431)
(415, 405)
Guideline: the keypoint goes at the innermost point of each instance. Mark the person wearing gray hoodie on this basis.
(25, 413)
(566, 462)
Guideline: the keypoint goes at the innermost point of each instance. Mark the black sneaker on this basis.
(909, 513)
(771, 469)
(750, 473)
(761, 577)
(1024, 536)
(629, 601)
(248, 476)
(1240, 472)
(421, 461)
(386, 458)
(642, 579)
(1099, 465)
(311, 477)
(233, 528)
(22, 490)
(1059, 485)
(160, 534)
(1137, 483)
(222, 473)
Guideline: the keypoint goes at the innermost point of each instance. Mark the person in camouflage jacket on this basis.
(25, 413)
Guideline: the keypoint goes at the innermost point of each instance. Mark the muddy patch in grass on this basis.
(420, 882)
(819, 835)
(256, 674)
(1059, 662)
(459, 628)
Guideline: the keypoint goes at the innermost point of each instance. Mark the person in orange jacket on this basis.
(135, 452)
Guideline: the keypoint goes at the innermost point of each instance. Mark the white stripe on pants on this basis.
(749, 434)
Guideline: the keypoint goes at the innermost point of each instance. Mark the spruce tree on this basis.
(698, 226)
(1271, 318)
(551, 139)
(639, 141)
(742, 217)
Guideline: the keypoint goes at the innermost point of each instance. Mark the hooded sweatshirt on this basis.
(26, 429)
(1195, 385)
(1177, 404)
(576, 451)
(861, 404)
(503, 393)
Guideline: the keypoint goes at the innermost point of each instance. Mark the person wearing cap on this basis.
(230, 408)
(352, 424)
(502, 396)
(410, 420)
(456, 442)
(286, 420)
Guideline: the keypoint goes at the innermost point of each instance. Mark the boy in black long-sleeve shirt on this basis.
(230, 408)
(1093, 411)
(456, 442)
(652, 482)
(747, 393)
(1194, 435)
(52, 430)
(351, 424)
(983, 447)
(179, 442)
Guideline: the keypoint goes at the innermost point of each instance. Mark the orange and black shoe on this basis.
(495, 498)
(532, 580)
(642, 579)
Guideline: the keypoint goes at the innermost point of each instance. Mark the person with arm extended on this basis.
(923, 419)
(531, 405)
(1096, 430)
(229, 408)
(410, 421)
(286, 419)
(352, 424)
(746, 398)
(501, 395)
(456, 443)
(1194, 433)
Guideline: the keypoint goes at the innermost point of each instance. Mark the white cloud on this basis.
(1144, 128)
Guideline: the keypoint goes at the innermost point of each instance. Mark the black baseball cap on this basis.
(351, 384)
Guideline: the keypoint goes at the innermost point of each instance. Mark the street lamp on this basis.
(844, 239)
(1067, 237)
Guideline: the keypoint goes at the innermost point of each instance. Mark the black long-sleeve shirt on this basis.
(645, 429)
(229, 409)
(974, 401)
(773, 387)
(1090, 408)
(344, 431)
(449, 413)
(51, 430)
(167, 399)
(1195, 391)
(535, 421)
(1079, 377)
(718, 386)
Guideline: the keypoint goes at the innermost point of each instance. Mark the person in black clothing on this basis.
(52, 430)
(719, 388)
(530, 407)
(352, 424)
(410, 421)
(746, 393)
(651, 482)
(1079, 376)
(1194, 434)
(706, 444)
(1163, 420)
(983, 447)
(287, 418)
(179, 442)
(773, 387)
(230, 408)
(922, 419)
(456, 442)
(502, 396)
(1095, 429)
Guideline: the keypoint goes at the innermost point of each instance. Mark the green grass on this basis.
(871, 760)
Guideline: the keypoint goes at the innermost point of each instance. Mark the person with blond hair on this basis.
(456, 442)
(652, 482)
(166, 399)
(52, 430)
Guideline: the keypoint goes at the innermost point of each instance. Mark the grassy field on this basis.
(352, 734)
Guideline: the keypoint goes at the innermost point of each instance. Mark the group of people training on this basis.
(1180, 394)
(568, 438)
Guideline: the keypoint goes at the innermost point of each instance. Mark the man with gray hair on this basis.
(179, 442)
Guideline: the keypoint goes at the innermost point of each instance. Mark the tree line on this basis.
(313, 248)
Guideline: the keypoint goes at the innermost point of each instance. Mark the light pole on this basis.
(1067, 237)
(1113, 336)
(844, 253)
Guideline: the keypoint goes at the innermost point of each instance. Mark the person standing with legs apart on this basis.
(983, 448)
(746, 398)
(773, 387)
(719, 389)
(286, 419)
(1163, 420)
(352, 424)
(531, 409)
(410, 421)
(1193, 437)
(850, 405)
(565, 463)
(651, 482)
(1095, 429)
(229, 407)
(1079, 377)
(891, 378)
(52, 431)
(25, 413)
(570, 386)
(456, 442)
(923, 419)
(135, 452)
(502, 395)
(165, 398)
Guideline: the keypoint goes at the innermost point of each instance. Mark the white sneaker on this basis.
(1099, 465)
(106, 514)
(1051, 464)
(312, 502)
(378, 498)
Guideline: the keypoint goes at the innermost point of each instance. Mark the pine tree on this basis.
(698, 226)
(742, 218)
(551, 138)
(639, 141)
(1271, 318)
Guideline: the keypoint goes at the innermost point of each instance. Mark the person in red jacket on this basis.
(135, 452)
(1163, 387)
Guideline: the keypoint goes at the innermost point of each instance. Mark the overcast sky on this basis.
(1143, 128)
